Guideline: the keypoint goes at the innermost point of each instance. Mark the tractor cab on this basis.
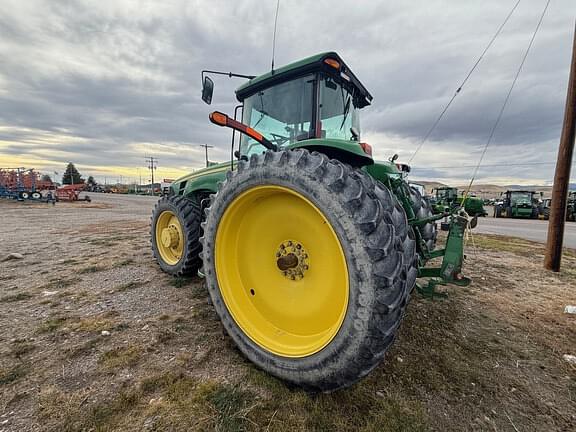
(520, 199)
(518, 203)
(312, 103)
(446, 194)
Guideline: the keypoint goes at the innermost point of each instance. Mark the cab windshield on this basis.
(521, 197)
(285, 113)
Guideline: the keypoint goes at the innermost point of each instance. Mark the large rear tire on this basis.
(309, 264)
(175, 231)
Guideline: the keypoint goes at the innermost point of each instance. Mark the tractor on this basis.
(571, 207)
(544, 209)
(446, 198)
(517, 204)
(310, 249)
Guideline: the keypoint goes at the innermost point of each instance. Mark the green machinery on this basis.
(517, 204)
(310, 248)
(571, 208)
(446, 198)
(544, 209)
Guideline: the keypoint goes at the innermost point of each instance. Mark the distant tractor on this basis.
(571, 208)
(517, 204)
(544, 209)
(446, 199)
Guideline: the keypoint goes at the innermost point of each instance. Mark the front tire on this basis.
(422, 210)
(324, 318)
(174, 233)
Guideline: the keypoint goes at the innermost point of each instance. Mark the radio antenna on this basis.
(274, 37)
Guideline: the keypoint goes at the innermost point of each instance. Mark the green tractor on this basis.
(571, 208)
(544, 209)
(446, 199)
(310, 248)
(517, 204)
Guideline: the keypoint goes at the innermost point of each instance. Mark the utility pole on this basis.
(152, 165)
(562, 175)
(206, 147)
(140, 180)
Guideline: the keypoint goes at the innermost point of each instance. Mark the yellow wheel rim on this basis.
(169, 237)
(282, 271)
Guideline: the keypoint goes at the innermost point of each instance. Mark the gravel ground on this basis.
(95, 337)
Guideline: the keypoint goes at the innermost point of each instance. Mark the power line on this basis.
(488, 165)
(463, 82)
(507, 98)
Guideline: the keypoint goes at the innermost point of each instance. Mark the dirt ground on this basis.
(95, 337)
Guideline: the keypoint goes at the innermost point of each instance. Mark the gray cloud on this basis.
(103, 83)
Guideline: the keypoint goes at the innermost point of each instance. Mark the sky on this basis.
(106, 83)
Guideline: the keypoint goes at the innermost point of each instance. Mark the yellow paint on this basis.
(169, 237)
(290, 318)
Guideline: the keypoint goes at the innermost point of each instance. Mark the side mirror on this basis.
(355, 133)
(207, 90)
(394, 158)
(474, 222)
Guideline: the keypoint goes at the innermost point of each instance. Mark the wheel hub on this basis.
(292, 260)
(170, 237)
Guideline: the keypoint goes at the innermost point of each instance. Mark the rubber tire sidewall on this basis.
(347, 358)
(190, 261)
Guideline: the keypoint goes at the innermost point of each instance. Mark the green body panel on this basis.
(521, 212)
(346, 151)
(206, 180)
(473, 206)
(382, 170)
(310, 64)
(289, 67)
(201, 181)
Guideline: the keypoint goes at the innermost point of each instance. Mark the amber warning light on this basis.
(331, 62)
(367, 148)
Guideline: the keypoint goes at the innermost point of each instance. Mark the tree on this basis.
(71, 175)
(91, 181)
(46, 178)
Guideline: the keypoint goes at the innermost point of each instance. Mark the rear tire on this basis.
(422, 210)
(377, 246)
(183, 258)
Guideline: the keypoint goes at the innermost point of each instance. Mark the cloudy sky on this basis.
(105, 83)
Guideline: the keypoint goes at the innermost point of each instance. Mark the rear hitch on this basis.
(450, 271)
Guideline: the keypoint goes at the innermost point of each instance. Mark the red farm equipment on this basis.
(71, 193)
(22, 184)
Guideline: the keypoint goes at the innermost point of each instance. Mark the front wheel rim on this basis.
(281, 271)
(169, 237)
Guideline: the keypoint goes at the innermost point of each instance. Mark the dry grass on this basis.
(120, 357)
(92, 269)
(16, 297)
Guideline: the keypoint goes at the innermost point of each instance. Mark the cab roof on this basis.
(305, 66)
